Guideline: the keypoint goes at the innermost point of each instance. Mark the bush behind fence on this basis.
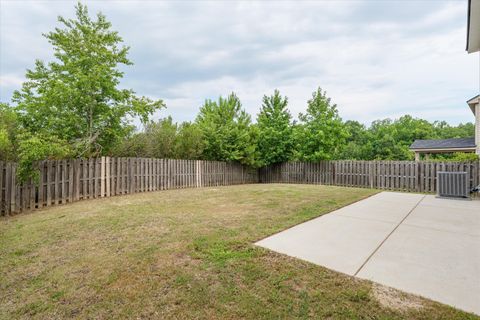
(66, 181)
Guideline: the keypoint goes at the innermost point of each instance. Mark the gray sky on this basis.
(376, 59)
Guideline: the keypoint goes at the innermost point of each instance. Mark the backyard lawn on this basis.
(185, 254)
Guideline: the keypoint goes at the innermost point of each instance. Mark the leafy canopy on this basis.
(76, 97)
(389, 139)
(33, 147)
(226, 129)
(8, 132)
(275, 131)
(163, 139)
(321, 132)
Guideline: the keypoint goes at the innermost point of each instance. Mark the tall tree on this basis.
(321, 133)
(76, 96)
(274, 122)
(226, 129)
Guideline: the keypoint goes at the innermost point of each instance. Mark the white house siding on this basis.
(477, 127)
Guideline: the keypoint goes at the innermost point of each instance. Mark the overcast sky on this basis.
(375, 59)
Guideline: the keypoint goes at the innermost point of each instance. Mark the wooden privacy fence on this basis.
(66, 181)
(407, 176)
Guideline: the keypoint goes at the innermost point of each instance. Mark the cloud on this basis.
(11, 80)
(376, 59)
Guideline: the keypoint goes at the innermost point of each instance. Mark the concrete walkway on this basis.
(415, 243)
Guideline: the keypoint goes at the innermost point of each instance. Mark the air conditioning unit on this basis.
(453, 184)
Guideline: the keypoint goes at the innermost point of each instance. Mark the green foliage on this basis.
(5, 145)
(321, 132)
(31, 148)
(163, 139)
(457, 156)
(358, 144)
(72, 106)
(223, 131)
(460, 156)
(135, 145)
(226, 129)
(275, 131)
(8, 132)
(390, 139)
(76, 97)
(189, 142)
(443, 130)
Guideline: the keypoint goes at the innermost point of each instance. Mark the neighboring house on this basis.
(470, 144)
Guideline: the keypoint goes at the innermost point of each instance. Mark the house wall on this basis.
(477, 127)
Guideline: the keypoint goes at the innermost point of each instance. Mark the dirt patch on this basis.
(394, 299)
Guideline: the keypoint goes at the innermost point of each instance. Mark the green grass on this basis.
(184, 254)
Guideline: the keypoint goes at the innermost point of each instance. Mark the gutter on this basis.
(468, 22)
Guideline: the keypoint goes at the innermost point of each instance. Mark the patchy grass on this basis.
(184, 254)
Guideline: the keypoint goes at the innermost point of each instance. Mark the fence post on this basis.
(102, 177)
(8, 187)
(71, 173)
(197, 174)
(371, 165)
(334, 172)
(13, 184)
(108, 175)
(131, 175)
(169, 174)
(56, 183)
(419, 177)
(76, 180)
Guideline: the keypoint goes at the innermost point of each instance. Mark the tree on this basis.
(275, 131)
(384, 141)
(76, 97)
(321, 133)
(391, 139)
(136, 144)
(226, 129)
(161, 137)
(189, 142)
(8, 132)
(32, 147)
(358, 143)
(443, 130)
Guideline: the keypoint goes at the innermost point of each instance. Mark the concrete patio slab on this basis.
(460, 220)
(439, 265)
(377, 209)
(334, 241)
(416, 243)
(450, 203)
(397, 197)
